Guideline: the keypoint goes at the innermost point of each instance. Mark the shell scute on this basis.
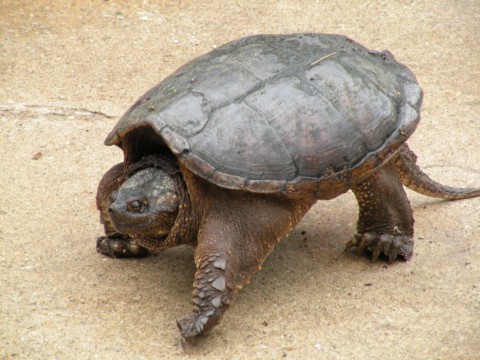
(289, 113)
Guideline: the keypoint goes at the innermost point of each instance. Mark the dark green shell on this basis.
(287, 113)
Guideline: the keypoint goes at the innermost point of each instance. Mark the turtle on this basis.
(229, 152)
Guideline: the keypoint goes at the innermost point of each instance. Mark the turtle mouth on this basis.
(143, 225)
(145, 240)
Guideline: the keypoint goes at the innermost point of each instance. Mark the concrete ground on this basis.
(69, 69)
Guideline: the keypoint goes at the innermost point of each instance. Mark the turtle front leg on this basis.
(233, 241)
(214, 283)
(385, 223)
(120, 246)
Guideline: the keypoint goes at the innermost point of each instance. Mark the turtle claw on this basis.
(120, 247)
(194, 324)
(392, 246)
(190, 326)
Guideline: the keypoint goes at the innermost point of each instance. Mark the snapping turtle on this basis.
(228, 153)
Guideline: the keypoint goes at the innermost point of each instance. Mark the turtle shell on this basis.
(280, 113)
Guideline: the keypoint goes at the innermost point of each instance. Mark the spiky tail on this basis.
(414, 178)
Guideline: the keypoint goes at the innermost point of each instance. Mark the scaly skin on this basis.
(385, 222)
(234, 231)
(415, 179)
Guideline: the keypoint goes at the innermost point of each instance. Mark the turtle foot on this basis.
(392, 246)
(195, 324)
(120, 247)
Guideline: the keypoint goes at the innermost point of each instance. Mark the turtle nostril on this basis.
(113, 208)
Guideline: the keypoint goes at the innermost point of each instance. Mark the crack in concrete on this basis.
(52, 110)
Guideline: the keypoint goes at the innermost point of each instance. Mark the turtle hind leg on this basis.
(385, 224)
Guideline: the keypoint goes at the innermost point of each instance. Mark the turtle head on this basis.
(145, 205)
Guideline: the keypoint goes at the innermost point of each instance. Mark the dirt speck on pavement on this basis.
(69, 69)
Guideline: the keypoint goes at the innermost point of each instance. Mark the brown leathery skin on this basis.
(385, 222)
(110, 182)
(229, 252)
(415, 179)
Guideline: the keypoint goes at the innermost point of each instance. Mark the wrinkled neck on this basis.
(182, 232)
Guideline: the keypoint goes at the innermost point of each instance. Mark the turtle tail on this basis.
(415, 179)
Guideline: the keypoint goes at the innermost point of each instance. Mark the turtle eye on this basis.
(135, 206)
